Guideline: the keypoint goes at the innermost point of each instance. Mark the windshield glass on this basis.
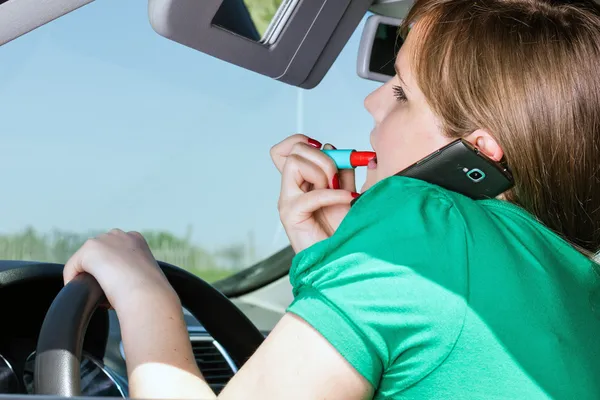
(107, 124)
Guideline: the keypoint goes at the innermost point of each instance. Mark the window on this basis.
(107, 124)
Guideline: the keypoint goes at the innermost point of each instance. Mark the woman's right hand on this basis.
(314, 197)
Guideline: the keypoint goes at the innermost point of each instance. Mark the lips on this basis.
(372, 163)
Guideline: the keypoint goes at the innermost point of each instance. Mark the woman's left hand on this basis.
(153, 328)
(123, 265)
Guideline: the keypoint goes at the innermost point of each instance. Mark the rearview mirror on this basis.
(297, 45)
(378, 48)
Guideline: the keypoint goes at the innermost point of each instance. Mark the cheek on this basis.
(404, 139)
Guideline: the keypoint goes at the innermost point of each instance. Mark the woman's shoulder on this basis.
(401, 233)
(393, 277)
(402, 221)
(402, 206)
(411, 201)
(396, 191)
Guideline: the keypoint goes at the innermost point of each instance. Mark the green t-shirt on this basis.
(431, 295)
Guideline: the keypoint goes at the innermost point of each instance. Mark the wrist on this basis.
(141, 301)
(302, 241)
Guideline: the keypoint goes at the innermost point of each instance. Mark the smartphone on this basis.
(462, 168)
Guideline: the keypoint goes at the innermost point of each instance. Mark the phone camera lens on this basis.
(476, 175)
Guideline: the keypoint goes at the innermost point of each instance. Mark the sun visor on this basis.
(18, 17)
(297, 45)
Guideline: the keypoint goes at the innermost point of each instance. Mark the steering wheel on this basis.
(60, 343)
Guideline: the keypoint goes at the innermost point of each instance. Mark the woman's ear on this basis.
(486, 144)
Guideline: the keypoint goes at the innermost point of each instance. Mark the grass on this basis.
(57, 247)
(214, 275)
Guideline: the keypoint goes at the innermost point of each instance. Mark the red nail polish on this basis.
(314, 143)
(355, 195)
(333, 147)
(335, 183)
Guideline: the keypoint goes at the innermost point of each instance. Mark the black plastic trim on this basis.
(260, 274)
(15, 274)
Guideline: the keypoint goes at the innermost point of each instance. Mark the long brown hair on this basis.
(528, 72)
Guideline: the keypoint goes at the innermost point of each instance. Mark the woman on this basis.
(418, 292)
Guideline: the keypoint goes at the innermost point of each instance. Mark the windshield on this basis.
(106, 124)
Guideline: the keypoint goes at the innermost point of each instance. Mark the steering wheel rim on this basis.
(60, 343)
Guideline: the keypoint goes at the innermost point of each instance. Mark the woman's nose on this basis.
(375, 103)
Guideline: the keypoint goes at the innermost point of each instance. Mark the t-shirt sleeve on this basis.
(387, 290)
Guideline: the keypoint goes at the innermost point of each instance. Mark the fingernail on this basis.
(333, 147)
(335, 183)
(314, 143)
(355, 195)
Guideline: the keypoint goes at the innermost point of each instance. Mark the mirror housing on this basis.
(302, 43)
(378, 48)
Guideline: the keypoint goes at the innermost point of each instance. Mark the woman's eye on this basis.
(399, 93)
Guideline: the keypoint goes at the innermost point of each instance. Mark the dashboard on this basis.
(24, 300)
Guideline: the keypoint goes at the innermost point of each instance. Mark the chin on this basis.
(370, 180)
(368, 183)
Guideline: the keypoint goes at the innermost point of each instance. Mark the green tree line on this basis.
(58, 246)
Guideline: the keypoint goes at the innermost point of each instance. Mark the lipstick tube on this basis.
(348, 159)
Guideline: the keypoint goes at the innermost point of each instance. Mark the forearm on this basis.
(160, 361)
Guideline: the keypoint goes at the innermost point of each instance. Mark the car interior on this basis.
(63, 341)
(67, 344)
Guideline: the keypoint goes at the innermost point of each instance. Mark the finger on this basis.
(307, 204)
(320, 159)
(138, 238)
(106, 306)
(136, 234)
(348, 179)
(281, 150)
(306, 187)
(73, 266)
(296, 173)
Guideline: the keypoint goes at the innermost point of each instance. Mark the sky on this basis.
(104, 123)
